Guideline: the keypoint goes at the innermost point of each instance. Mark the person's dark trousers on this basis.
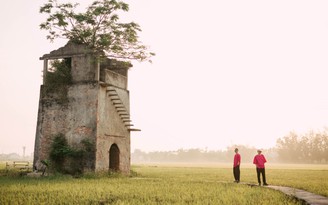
(236, 173)
(261, 171)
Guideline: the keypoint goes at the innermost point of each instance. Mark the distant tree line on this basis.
(200, 155)
(311, 147)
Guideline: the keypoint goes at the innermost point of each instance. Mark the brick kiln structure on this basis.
(96, 109)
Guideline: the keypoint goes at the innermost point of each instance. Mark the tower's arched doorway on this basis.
(114, 158)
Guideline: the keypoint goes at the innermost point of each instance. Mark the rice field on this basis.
(164, 184)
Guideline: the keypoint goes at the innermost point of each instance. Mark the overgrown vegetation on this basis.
(68, 159)
(57, 80)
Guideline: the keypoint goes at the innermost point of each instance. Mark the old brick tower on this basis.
(95, 107)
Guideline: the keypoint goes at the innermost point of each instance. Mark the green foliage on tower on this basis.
(57, 80)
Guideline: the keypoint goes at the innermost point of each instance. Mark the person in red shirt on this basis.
(259, 161)
(236, 166)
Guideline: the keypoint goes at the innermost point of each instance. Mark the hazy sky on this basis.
(226, 72)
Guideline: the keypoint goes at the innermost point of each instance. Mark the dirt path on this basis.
(308, 197)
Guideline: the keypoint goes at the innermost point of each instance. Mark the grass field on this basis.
(165, 184)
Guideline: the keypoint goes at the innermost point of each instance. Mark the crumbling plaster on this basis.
(88, 113)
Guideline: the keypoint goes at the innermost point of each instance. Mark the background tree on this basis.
(98, 28)
(311, 147)
(288, 148)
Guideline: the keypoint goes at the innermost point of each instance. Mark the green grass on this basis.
(313, 178)
(315, 181)
(2, 165)
(162, 184)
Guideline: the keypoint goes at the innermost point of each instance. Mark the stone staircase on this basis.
(120, 108)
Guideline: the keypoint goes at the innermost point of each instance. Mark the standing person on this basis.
(259, 161)
(236, 166)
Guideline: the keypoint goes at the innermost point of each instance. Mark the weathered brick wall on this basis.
(111, 130)
(76, 119)
(83, 68)
(89, 113)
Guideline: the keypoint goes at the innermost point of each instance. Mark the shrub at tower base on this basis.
(67, 159)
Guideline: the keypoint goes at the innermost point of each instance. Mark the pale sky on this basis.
(225, 72)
